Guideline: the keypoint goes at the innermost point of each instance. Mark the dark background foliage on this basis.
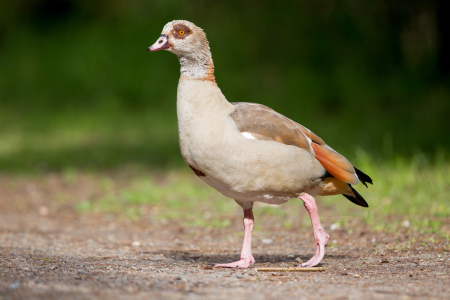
(78, 89)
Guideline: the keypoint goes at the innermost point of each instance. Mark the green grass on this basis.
(166, 196)
(87, 140)
(406, 194)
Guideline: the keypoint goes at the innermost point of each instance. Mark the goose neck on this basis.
(198, 66)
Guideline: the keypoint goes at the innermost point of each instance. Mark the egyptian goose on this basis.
(248, 151)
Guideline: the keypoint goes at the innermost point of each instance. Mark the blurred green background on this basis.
(78, 89)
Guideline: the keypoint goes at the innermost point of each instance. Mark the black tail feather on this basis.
(358, 199)
(363, 177)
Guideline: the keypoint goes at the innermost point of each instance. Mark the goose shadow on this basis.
(212, 259)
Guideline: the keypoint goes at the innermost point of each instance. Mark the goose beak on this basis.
(161, 44)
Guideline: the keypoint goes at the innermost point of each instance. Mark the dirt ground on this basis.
(50, 251)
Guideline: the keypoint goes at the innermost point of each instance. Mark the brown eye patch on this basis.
(181, 31)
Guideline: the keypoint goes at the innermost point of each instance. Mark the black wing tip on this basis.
(358, 199)
(363, 177)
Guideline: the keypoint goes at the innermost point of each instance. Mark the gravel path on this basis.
(67, 255)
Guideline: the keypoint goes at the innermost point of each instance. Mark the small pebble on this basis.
(239, 276)
(266, 241)
(14, 285)
(334, 226)
(356, 275)
(81, 272)
(181, 277)
(43, 211)
(135, 244)
(253, 271)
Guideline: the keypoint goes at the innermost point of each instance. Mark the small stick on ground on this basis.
(292, 269)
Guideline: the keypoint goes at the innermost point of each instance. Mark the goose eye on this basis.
(181, 32)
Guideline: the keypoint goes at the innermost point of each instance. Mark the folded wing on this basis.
(263, 123)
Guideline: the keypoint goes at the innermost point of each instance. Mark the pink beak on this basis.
(161, 44)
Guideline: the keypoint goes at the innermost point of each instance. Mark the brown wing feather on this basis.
(266, 124)
(260, 119)
(314, 137)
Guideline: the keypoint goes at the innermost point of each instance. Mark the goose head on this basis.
(189, 43)
(180, 37)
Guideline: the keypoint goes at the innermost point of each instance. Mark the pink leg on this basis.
(320, 235)
(246, 253)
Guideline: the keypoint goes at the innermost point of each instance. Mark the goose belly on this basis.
(265, 197)
(252, 170)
